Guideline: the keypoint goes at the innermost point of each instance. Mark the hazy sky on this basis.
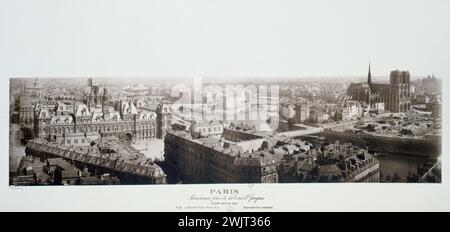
(223, 38)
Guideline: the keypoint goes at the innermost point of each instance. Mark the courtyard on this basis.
(153, 148)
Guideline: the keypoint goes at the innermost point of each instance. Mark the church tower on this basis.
(399, 91)
(369, 76)
(90, 82)
(163, 120)
(36, 82)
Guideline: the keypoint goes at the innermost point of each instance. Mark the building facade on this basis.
(205, 129)
(127, 120)
(266, 160)
(211, 160)
(31, 95)
(128, 124)
(302, 113)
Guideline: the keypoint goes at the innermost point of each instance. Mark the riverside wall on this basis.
(384, 144)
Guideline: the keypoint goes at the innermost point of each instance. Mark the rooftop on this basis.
(125, 158)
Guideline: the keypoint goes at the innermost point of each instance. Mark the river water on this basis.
(391, 163)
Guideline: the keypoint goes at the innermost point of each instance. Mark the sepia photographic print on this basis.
(206, 105)
(103, 131)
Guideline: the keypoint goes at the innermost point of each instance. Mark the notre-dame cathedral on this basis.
(395, 95)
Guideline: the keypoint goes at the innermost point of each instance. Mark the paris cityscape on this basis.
(376, 128)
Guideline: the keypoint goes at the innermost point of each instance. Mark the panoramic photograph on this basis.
(379, 127)
(224, 106)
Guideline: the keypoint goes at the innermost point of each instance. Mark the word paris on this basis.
(258, 103)
(224, 191)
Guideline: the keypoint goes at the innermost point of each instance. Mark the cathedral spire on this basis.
(369, 76)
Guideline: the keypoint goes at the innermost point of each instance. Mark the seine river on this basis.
(390, 164)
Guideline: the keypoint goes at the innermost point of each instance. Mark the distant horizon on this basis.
(216, 78)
